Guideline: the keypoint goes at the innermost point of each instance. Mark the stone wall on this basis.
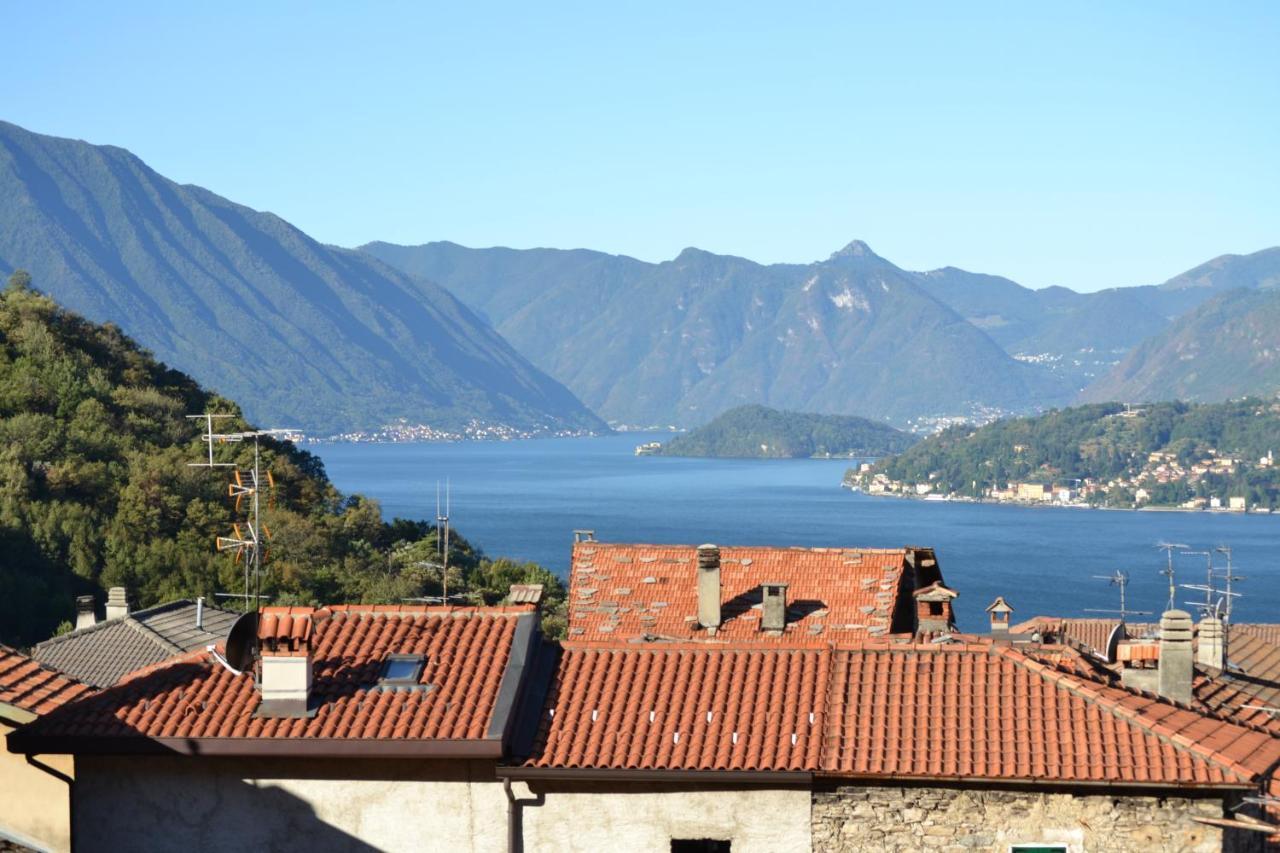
(962, 820)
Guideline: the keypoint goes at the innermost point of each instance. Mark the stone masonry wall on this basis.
(959, 820)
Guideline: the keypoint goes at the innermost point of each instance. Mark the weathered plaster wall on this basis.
(646, 817)
(175, 803)
(35, 806)
(207, 804)
(963, 820)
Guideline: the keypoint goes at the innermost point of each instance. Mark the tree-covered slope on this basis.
(1110, 445)
(677, 342)
(96, 490)
(760, 432)
(1228, 347)
(302, 334)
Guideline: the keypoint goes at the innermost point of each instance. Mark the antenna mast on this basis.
(442, 539)
(1168, 570)
(247, 544)
(1229, 577)
(1120, 579)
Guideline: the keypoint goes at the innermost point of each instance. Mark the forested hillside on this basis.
(95, 490)
(1173, 451)
(1228, 347)
(301, 334)
(761, 432)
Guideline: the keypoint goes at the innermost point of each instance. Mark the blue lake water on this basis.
(523, 499)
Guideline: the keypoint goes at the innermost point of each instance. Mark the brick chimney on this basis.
(773, 611)
(1175, 656)
(999, 611)
(709, 587)
(1211, 650)
(933, 608)
(85, 617)
(284, 640)
(117, 602)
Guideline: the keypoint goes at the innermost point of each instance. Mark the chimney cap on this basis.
(936, 591)
(709, 546)
(999, 606)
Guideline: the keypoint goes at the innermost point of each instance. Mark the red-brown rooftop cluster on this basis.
(30, 687)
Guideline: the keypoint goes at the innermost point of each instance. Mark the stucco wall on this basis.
(35, 805)
(646, 817)
(963, 820)
(174, 803)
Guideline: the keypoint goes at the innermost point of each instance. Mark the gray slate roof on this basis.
(103, 654)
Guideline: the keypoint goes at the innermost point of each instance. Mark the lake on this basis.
(524, 499)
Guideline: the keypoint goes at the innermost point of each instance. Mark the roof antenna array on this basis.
(1168, 570)
(1229, 576)
(1120, 579)
(442, 550)
(246, 543)
(1217, 603)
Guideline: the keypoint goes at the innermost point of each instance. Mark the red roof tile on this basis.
(31, 687)
(622, 592)
(879, 709)
(466, 654)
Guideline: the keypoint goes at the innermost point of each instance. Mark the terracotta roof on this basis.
(879, 709)
(104, 653)
(620, 591)
(27, 685)
(194, 699)
(685, 708)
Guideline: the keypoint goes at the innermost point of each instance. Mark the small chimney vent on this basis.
(85, 617)
(1174, 681)
(773, 615)
(200, 614)
(999, 611)
(933, 608)
(117, 603)
(709, 587)
(1211, 651)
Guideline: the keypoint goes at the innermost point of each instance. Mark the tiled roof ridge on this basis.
(1079, 685)
(103, 624)
(819, 549)
(151, 634)
(734, 645)
(458, 611)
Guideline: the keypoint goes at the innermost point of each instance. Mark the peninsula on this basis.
(759, 432)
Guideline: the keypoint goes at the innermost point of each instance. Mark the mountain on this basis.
(305, 335)
(763, 433)
(1228, 347)
(680, 341)
(1082, 336)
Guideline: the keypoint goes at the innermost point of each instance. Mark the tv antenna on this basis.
(1229, 576)
(1213, 604)
(245, 543)
(1119, 579)
(1168, 570)
(442, 539)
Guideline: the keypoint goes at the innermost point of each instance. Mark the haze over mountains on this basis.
(680, 341)
(304, 335)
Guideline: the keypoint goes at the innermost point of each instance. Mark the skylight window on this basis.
(401, 670)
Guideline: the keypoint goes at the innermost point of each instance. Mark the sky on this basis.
(1080, 144)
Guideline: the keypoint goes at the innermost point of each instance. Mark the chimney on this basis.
(284, 641)
(1211, 651)
(999, 611)
(709, 587)
(200, 614)
(933, 608)
(773, 615)
(85, 617)
(117, 603)
(1175, 656)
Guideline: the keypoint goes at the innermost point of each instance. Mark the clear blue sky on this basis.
(1080, 144)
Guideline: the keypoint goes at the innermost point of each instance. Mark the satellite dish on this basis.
(1117, 634)
(242, 641)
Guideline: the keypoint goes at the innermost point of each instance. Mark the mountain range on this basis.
(679, 341)
(305, 335)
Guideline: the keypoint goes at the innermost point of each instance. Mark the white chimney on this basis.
(1174, 681)
(284, 638)
(200, 614)
(709, 587)
(1211, 651)
(85, 617)
(117, 602)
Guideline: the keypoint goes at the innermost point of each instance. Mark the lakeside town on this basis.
(1140, 490)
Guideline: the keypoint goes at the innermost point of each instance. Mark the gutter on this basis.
(796, 778)
(257, 747)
